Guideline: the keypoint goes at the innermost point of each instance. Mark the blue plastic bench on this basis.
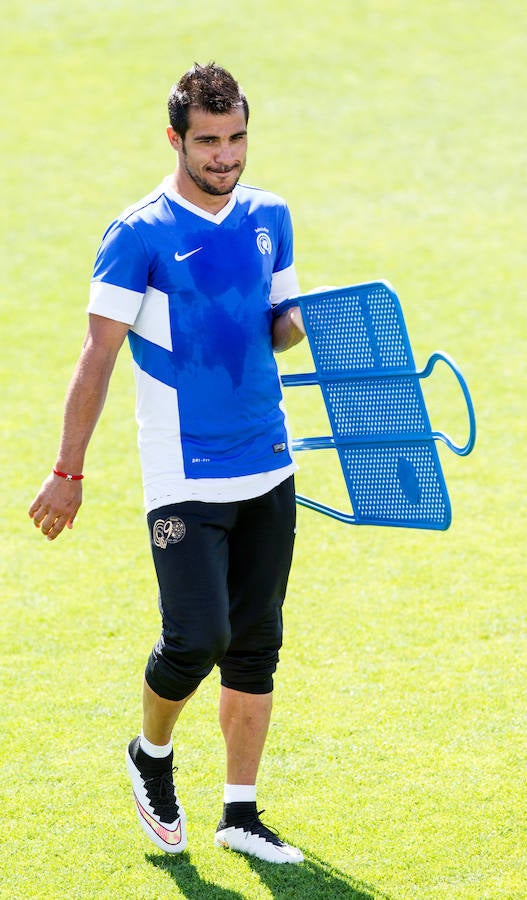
(375, 405)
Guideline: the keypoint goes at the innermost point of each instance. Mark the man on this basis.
(190, 274)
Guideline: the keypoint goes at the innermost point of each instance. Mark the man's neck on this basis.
(211, 203)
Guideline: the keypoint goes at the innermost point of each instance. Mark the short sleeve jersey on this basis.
(197, 291)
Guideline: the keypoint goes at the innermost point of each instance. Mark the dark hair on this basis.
(210, 88)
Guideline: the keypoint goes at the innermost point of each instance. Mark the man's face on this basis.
(212, 154)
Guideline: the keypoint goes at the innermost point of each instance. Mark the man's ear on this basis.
(174, 138)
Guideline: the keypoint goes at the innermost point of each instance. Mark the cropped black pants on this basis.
(222, 570)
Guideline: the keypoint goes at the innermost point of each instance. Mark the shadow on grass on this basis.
(188, 880)
(313, 879)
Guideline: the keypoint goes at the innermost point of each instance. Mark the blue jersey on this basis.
(196, 290)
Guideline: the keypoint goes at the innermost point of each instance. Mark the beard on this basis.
(207, 186)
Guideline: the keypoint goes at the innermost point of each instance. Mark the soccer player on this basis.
(190, 274)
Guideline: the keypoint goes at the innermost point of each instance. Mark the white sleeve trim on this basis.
(284, 285)
(113, 302)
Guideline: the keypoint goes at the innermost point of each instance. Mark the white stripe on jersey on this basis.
(153, 321)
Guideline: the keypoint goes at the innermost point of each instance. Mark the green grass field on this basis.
(397, 754)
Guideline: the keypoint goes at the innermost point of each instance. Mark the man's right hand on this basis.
(56, 505)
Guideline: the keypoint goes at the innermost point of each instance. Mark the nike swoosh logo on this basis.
(179, 257)
(168, 835)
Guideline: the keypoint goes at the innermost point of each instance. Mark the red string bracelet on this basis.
(68, 477)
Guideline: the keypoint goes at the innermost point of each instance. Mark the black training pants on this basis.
(222, 570)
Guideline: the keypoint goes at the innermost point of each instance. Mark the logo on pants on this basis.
(168, 531)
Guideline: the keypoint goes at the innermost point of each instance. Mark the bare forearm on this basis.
(88, 389)
(59, 498)
(288, 330)
(84, 402)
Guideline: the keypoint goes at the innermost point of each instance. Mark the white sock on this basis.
(239, 793)
(154, 749)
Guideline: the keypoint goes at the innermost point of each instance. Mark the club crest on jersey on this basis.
(168, 531)
(263, 241)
